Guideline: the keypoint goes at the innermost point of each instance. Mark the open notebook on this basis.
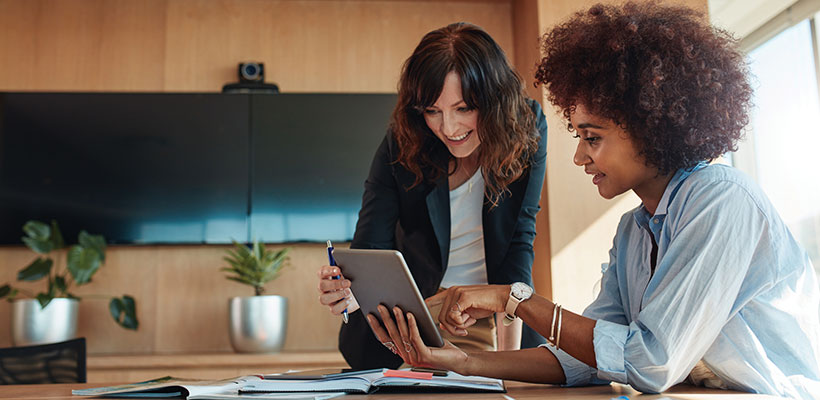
(372, 380)
(168, 387)
(295, 386)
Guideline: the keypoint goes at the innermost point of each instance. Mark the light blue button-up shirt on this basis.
(731, 288)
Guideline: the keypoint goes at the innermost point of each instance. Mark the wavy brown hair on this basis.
(676, 84)
(506, 124)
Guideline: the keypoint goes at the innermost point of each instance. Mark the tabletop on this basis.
(515, 391)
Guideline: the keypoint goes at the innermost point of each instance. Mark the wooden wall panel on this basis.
(195, 45)
(527, 54)
(132, 49)
(328, 46)
(58, 45)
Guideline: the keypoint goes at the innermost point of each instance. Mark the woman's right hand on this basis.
(335, 293)
(461, 306)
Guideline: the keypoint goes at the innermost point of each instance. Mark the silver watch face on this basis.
(521, 290)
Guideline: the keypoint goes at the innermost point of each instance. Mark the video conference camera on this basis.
(251, 80)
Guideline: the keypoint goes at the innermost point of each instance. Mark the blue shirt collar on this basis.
(642, 216)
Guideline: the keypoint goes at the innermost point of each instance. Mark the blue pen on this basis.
(333, 262)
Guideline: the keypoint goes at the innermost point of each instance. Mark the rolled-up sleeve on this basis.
(575, 372)
(609, 340)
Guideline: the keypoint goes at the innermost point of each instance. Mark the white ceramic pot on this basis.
(258, 324)
(32, 324)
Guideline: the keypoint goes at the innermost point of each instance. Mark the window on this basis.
(782, 150)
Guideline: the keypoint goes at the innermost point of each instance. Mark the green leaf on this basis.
(38, 269)
(240, 280)
(39, 246)
(82, 263)
(60, 284)
(44, 299)
(37, 230)
(258, 251)
(56, 236)
(12, 295)
(124, 312)
(253, 265)
(5, 290)
(39, 237)
(96, 242)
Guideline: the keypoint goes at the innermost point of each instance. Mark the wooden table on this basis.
(515, 390)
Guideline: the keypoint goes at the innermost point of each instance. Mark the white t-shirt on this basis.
(466, 264)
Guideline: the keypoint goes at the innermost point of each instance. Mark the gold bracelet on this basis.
(552, 327)
(560, 318)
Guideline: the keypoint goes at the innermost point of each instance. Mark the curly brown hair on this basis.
(676, 84)
(506, 124)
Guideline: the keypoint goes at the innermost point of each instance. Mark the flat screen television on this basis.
(187, 168)
(311, 156)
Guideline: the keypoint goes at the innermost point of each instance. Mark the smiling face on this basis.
(452, 120)
(608, 153)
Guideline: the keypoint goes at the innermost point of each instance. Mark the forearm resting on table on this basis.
(536, 365)
(576, 330)
(509, 337)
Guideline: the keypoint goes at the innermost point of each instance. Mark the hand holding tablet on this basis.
(381, 277)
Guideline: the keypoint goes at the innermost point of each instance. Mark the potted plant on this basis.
(51, 316)
(257, 323)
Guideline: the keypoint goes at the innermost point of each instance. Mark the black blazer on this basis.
(417, 223)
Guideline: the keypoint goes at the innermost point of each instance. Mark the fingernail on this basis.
(348, 292)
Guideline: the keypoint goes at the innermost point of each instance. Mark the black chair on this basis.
(62, 362)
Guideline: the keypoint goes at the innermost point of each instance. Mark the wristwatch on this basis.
(519, 292)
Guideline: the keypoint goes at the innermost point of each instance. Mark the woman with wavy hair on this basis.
(705, 283)
(455, 185)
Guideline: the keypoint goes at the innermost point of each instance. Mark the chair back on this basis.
(62, 362)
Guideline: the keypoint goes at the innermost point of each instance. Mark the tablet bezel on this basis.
(382, 277)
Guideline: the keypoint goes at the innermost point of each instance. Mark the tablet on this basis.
(382, 277)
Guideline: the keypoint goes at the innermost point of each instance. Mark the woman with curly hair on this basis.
(705, 283)
(455, 185)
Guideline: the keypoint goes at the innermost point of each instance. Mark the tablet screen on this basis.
(382, 277)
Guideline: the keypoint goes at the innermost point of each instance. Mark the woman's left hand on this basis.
(401, 334)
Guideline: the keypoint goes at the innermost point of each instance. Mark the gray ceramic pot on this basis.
(258, 324)
(32, 324)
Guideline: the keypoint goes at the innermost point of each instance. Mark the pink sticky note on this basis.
(393, 373)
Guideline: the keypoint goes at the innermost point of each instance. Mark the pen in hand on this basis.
(333, 263)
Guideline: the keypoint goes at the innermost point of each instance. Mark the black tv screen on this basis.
(311, 156)
(137, 168)
(187, 168)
